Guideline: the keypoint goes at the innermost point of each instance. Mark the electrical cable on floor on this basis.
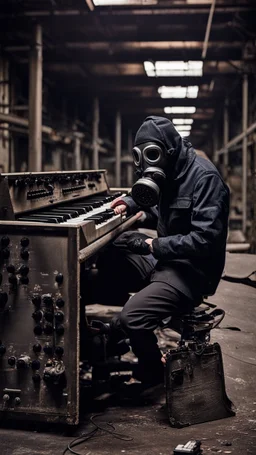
(85, 437)
(239, 360)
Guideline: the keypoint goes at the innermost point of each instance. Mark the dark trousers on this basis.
(122, 272)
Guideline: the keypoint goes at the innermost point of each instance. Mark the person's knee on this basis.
(130, 316)
(124, 320)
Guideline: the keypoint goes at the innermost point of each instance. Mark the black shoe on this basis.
(117, 349)
(99, 328)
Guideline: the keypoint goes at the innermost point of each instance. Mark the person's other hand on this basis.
(119, 206)
(139, 244)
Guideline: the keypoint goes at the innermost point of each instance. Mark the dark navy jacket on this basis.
(191, 218)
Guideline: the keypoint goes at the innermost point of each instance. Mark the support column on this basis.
(244, 153)
(35, 101)
(77, 151)
(95, 134)
(129, 169)
(215, 144)
(118, 142)
(4, 109)
(226, 137)
(86, 161)
(57, 159)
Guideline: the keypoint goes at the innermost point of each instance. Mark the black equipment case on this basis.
(195, 386)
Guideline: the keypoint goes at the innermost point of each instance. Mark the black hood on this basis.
(162, 131)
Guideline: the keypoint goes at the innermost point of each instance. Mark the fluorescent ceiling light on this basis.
(173, 68)
(184, 133)
(182, 121)
(178, 92)
(180, 110)
(183, 128)
(124, 2)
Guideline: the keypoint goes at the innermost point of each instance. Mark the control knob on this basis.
(35, 364)
(17, 401)
(60, 302)
(20, 183)
(36, 300)
(37, 347)
(37, 315)
(48, 316)
(23, 270)
(10, 268)
(24, 242)
(54, 373)
(59, 278)
(60, 329)
(23, 362)
(12, 361)
(12, 279)
(24, 254)
(47, 300)
(59, 316)
(24, 280)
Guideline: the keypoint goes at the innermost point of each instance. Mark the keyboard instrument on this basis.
(52, 224)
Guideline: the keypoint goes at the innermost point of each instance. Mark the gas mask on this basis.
(151, 163)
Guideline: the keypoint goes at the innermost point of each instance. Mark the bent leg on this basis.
(141, 316)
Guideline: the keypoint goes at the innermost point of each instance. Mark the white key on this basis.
(84, 216)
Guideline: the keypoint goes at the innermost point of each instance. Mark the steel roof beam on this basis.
(130, 12)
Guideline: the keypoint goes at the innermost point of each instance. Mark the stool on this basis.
(195, 327)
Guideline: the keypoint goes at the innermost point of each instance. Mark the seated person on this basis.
(183, 196)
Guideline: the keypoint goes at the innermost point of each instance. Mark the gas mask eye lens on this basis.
(152, 153)
(136, 153)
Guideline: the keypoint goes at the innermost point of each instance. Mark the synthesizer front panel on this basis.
(39, 323)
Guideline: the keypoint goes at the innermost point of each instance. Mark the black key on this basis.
(39, 220)
(72, 213)
(52, 215)
(80, 210)
(64, 216)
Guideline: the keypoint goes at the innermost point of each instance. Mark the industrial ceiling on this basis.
(92, 50)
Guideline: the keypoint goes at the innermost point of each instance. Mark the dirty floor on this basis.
(143, 427)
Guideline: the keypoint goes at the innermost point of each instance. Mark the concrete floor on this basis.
(147, 422)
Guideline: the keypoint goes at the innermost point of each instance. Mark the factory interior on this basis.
(77, 80)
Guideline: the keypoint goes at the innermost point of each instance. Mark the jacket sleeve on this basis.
(209, 224)
(150, 216)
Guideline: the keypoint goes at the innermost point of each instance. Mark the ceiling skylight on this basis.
(184, 133)
(182, 121)
(124, 2)
(178, 92)
(183, 127)
(180, 110)
(173, 68)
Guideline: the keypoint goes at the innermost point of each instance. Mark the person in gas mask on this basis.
(183, 196)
